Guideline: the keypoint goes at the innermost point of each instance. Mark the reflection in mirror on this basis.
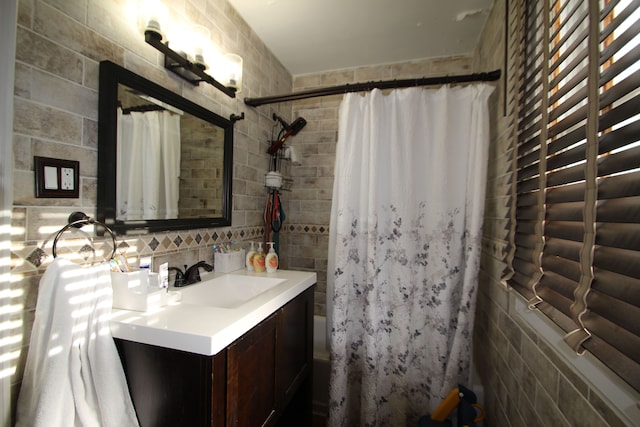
(164, 162)
(148, 159)
(171, 162)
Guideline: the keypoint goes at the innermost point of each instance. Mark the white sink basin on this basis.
(214, 313)
(228, 291)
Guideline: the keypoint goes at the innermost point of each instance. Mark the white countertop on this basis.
(204, 329)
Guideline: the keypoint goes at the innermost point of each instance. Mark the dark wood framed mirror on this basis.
(164, 162)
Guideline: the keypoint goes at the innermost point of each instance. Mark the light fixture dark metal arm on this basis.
(176, 62)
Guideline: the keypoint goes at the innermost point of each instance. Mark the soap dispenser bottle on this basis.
(259, 260)
(249, 258)
(272, 259)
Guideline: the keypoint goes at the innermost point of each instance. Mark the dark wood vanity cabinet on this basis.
(261, 379)
(251, 376)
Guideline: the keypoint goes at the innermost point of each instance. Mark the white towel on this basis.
(73, 375)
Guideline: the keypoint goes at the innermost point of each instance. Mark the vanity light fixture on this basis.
(192, 71)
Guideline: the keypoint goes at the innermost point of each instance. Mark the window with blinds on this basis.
(577, 234)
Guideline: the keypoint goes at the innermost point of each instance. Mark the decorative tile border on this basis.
(34, 257)
(318, 229)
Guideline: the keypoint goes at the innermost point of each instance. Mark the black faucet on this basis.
(192, 274)
(189, 275)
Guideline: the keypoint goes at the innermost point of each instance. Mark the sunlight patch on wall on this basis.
(10, 330)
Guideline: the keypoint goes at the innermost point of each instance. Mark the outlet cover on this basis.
(57, 178)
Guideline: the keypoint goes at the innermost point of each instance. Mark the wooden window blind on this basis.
(577, 234)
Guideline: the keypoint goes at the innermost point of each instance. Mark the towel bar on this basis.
(77, 220)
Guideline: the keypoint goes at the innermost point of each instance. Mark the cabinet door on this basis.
(251, 383)
(168, 387)
(295, 360)
(295, 344)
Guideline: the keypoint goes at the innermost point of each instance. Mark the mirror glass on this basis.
(164, 162)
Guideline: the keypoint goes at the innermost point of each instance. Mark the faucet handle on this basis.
(180, 276)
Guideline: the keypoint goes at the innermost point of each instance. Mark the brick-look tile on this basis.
(22, 81)
(605, 411)
(565, 370)
(513, 412)
(55, 25)
(46, 122)
(541, 367)
(64, 95)
(90, 134)
(526, 408)
(528, 385)
(549, 413)
(372, 73)
(576, 408)
(25, 12)
(77, 9)
(511, 330)
(456, 65)
(40, 52)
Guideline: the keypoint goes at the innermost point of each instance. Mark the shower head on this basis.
(297, 125)
(291, 129)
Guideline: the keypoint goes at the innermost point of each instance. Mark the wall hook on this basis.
(234, 117)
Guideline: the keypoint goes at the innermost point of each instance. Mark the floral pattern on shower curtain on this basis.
(405, 238)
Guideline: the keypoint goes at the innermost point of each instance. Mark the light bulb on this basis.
(153, 17)
(201, 39)
(232, 74)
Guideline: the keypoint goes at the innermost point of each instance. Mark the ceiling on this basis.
(310, 36)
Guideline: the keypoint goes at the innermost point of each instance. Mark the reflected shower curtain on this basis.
(404, 254)
(148, 165)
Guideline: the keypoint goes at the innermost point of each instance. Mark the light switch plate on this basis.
(56, 178)
(50, 178)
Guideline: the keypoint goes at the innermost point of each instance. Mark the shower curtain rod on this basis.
(385, 84)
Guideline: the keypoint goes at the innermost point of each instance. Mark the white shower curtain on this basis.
(148, 165)
(404, 254)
